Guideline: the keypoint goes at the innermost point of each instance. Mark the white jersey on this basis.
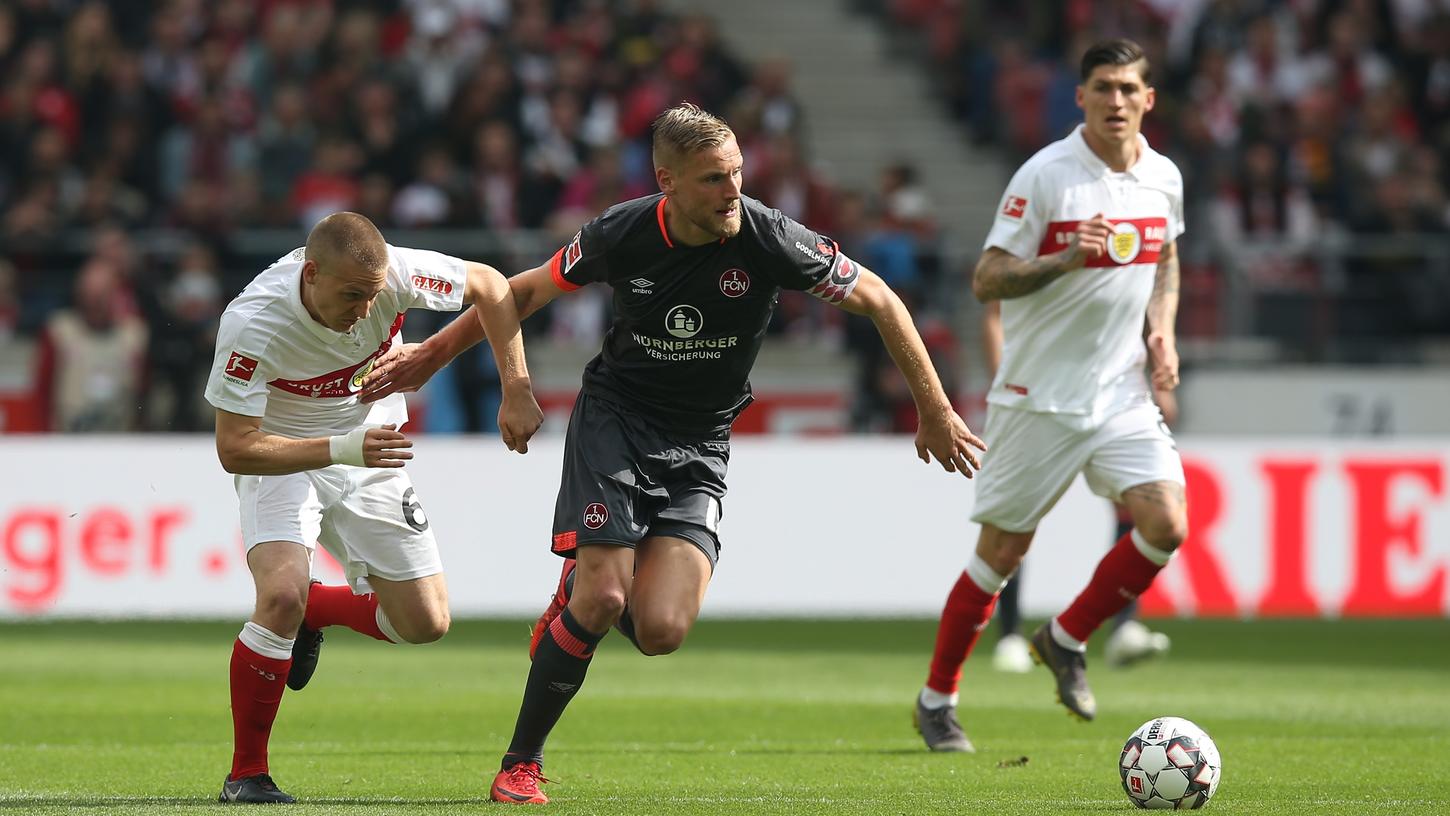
(275, 362)
(1075, 346)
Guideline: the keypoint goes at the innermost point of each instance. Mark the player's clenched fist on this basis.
(1090, 239)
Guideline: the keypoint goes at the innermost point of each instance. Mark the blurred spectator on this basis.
(285, 142)
(329, 185)
(182, 343)
(435, 199)
(92, 357)
(9, 301)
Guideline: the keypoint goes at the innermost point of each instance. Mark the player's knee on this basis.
(600, 609)
(662, 638)
(1166, 534)
(426, 628)
(281, 607)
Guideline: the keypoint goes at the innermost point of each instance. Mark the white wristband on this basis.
(347, 449)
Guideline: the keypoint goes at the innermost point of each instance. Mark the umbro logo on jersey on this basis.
(642, 286)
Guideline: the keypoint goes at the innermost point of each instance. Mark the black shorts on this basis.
(625, 480)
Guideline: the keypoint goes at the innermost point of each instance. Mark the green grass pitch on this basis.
(751, 717)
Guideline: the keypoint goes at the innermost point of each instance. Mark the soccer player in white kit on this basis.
(315, 464)
(1081, 249)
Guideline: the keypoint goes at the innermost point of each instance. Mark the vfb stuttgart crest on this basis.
(1125, 243)
(595, 515)
(734, 283)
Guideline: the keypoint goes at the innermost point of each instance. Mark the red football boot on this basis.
(556, 606)
(519, 785)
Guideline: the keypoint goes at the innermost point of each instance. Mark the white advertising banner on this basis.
(147, 527)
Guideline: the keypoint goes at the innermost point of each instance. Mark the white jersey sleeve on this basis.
(1174, 182)
(1022, 215)
(427, 279)
(238, 381)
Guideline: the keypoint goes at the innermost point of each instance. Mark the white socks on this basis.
(984, 576)
(935, 699)
(1149, 551)
(265, 642)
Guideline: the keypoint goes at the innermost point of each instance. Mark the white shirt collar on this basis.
(1094, 162)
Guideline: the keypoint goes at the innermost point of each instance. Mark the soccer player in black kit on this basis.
(696, 273)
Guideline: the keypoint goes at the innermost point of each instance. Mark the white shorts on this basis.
(368, 518)
(1035, 456)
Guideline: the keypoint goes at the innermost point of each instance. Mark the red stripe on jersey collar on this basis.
(660, 216)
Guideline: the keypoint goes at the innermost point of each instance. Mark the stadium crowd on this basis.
(1299, 125)
(201, 120)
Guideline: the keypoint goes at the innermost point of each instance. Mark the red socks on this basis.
(257, 683)
(337, 606)
(967, 611)
(1122, 575)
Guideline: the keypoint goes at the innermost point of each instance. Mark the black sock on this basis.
(1009, 613)
(625, 625)
(558, 671)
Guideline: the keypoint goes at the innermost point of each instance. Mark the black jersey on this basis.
(688, 321)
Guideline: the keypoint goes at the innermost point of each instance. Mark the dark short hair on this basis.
(1116, 52)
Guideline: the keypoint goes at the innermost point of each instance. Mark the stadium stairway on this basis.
(865, 109)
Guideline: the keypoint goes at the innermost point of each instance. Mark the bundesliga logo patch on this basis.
(573, 253)
(1014, 207)
(240, 367)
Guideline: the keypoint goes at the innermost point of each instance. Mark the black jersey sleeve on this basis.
(583, 261)
(797, 257)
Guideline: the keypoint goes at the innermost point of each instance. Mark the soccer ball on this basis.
(1170, 763)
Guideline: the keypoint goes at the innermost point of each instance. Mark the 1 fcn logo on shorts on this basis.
(595, 515)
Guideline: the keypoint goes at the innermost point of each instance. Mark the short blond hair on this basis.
(686, 129)
(348, 238)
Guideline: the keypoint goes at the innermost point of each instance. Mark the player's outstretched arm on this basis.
(244, 448)
(1162, 313)
(407, 366)
(519, 415)
(941, 433)
(1000, 275)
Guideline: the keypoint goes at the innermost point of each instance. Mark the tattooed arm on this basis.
(1000, 275)
(1162, 312)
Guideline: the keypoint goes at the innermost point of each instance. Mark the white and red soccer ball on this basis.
(1170, 764)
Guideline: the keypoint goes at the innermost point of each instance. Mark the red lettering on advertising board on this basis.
(106, 541)
(1288, 592)
(1196, 556)
(42, 565)
(1377, 537)
(39, 547)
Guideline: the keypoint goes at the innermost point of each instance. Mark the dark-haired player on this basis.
(1081, 252)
